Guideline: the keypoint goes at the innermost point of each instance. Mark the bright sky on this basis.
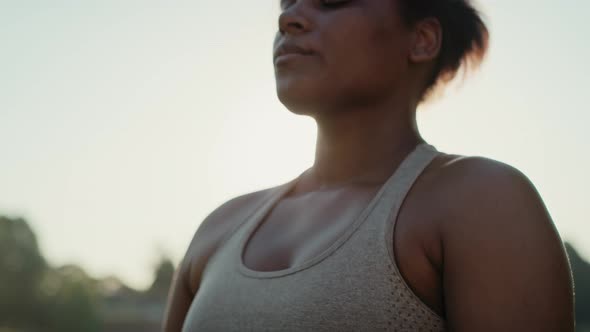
(124, 123)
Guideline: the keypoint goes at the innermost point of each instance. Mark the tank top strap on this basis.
(399, 184)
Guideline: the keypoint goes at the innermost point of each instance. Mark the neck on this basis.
(362, 147)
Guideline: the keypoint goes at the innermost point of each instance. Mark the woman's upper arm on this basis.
(505, 267)
(180, 298)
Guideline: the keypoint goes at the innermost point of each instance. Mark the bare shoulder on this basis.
(480, 191)
(505, 268)
(213, 230)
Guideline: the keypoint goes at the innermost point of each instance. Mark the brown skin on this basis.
(473, 238)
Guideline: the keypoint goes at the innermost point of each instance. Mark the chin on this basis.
(298, 103)
(300, 97)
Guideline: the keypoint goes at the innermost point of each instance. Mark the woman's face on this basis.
(338, 54)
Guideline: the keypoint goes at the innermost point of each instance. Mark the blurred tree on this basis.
(581, 273)
(22, 267)
(35, 297)
(71, 300)
(163, 275)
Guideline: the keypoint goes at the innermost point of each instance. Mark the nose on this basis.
(293, 21)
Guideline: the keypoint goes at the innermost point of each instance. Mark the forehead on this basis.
(375, 8)
(371, 3)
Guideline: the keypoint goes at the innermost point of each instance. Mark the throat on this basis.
(362, 146)
(354, 160)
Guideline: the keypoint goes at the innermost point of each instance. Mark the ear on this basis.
(427, 40)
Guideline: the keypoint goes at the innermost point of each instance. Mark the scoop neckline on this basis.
(256, 219)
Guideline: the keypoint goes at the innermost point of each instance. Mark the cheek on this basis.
(365, 57)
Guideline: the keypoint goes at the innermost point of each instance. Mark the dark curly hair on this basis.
(465, 36)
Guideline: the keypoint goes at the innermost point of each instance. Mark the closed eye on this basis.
(326, 4)
(332, 4)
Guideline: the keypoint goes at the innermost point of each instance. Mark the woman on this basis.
(472, 247)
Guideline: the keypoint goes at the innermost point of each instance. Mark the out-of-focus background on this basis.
(124, 123)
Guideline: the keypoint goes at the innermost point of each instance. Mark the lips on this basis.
(287, 48)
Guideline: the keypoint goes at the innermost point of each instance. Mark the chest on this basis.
(349, 287)
(299, 229)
